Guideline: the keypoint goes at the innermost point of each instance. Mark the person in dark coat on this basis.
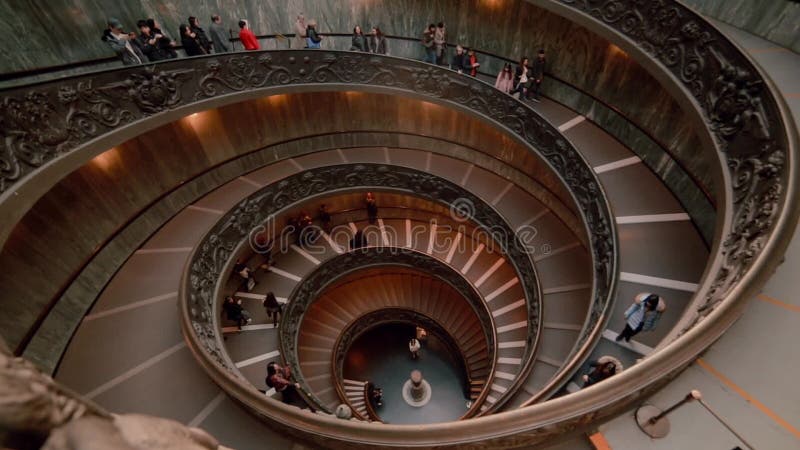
(537, 74)
(152, 44)
(234, 311)
(165, 44)
(190, 42)
(377, 42)
(273, 308)
(359, 41)
(372, 207)
(359, 240)
(460, 61)
(200, 34)
(324, 218)
(218, 35)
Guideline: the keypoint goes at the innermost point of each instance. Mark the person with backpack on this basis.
(313, 39)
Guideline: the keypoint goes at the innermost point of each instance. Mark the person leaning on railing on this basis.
(190, 42)
(359, 42)
(200, 34)
(219, 38)
(313, 39)
(154, 45)
(377, 42)
(440, 43)
(247, 37)
(279, 378)
(299, 40)
(121, 43)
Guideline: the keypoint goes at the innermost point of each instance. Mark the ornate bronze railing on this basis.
(84, 115)
(749, 129)
(331, 271)
(398, 315)
(211, 261)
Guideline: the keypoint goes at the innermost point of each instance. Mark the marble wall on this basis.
(775, 20)
(68, 30)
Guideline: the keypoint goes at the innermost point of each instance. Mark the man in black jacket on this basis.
(538, 74)
(153, 45)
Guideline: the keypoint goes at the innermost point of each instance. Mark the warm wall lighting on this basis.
(616, 51)
(492, 4)
(107, 160)
(276, 100)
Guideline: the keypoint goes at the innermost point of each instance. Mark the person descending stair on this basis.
(273, 308)
(413, 347)
(235, 312)
(642, 315)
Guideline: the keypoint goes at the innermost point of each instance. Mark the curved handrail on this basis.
(358, 327)
(373, 415)
(86, 113)
(214, 260)
(759, 170)
(765, 178)
(99, 61)
(331, 271)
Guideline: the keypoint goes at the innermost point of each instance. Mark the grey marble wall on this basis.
(775, 20)
(59, 31)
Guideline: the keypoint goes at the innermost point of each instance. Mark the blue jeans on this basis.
(430, 55)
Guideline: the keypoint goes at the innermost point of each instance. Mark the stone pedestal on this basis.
(416, 391)
(417, 388)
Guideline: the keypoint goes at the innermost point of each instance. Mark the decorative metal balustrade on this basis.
(369, 321)
(747, 127)
(211, 262)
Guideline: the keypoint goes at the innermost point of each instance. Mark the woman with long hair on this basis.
(377, 42)
(505, 79)
(359, 41)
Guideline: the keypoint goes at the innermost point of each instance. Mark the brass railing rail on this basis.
(212, 260)
(94, 111)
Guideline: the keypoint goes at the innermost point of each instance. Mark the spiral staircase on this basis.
(518, 231)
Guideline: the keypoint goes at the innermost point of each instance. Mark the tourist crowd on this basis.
(151, 44)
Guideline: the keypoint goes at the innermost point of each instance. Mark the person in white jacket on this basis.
(642, 315)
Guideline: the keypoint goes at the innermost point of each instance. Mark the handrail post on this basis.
(653, 421)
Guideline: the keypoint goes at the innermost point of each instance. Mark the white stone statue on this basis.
(34, 407)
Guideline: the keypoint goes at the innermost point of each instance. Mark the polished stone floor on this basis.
(381, 356)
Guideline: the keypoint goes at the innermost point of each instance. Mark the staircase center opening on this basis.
(382, 356)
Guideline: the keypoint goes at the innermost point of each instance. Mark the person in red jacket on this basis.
(247, 37)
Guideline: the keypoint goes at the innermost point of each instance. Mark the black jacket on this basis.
(155, 51)
(537, 69)
(377, 45)
(359, 43)
(460, 62)
(192, 46)
(202, 39)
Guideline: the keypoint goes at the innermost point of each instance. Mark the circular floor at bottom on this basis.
(381, 356)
